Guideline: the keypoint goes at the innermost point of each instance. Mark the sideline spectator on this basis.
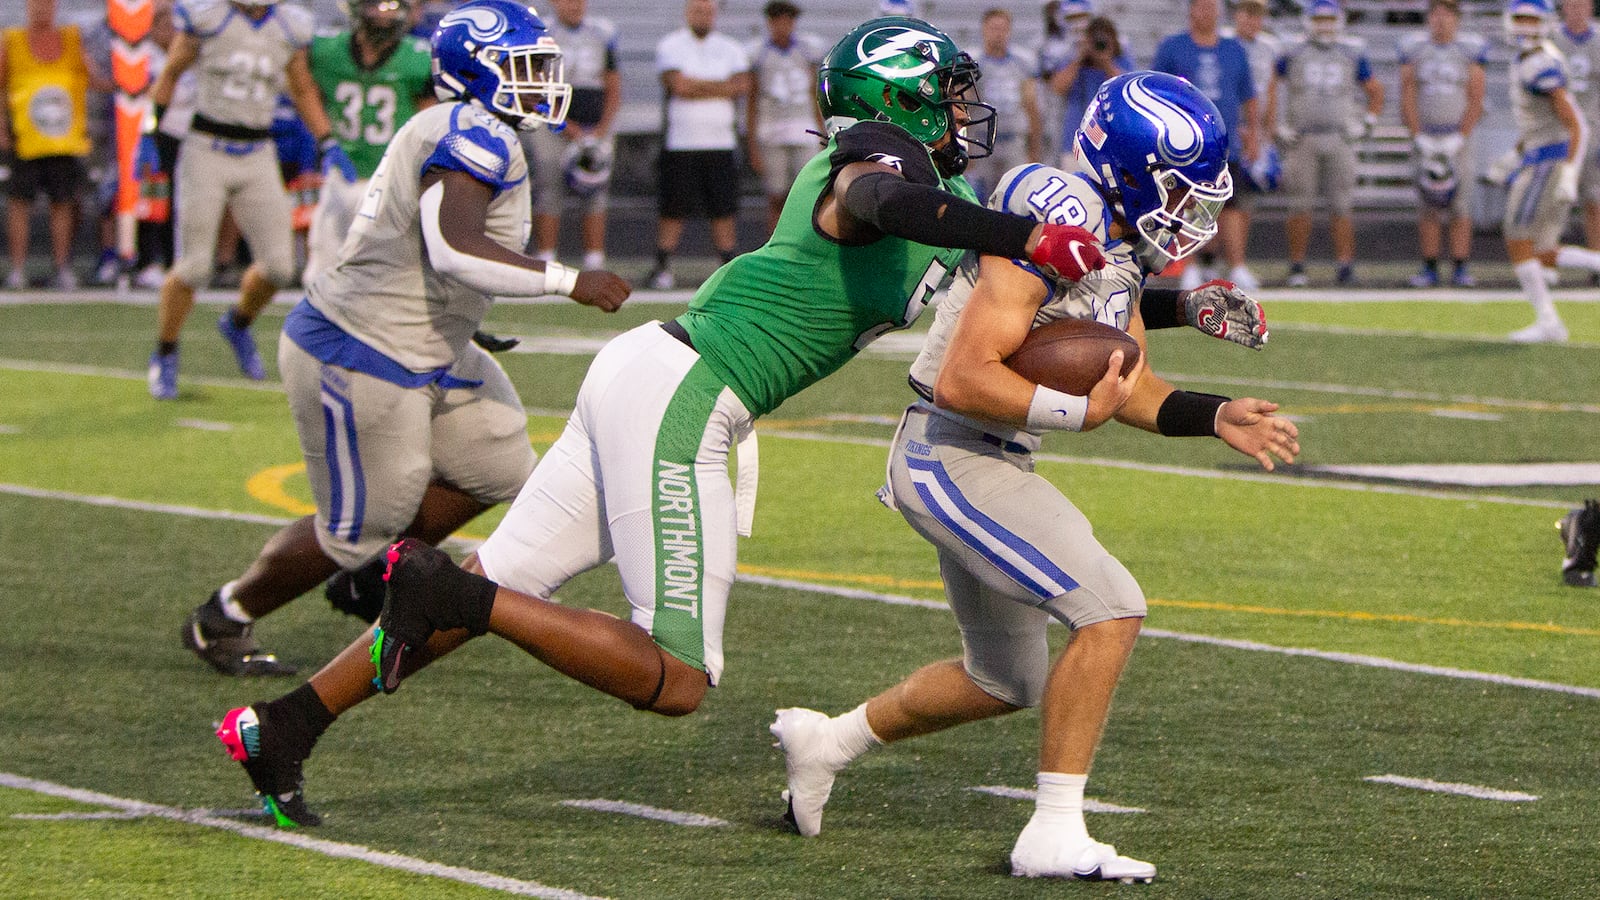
(1220, 68)
(1055, 50)
(577, 159)
(44, 78)
(702, 71)
(1099, 56)
(1441, 102)
(1009, 87)
(1318, 128)
(1263, 48)
(782, 108)
(1580, 43)
(228, 161)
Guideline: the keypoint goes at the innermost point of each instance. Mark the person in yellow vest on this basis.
(44, 79)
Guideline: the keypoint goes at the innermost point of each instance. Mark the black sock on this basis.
(1461, 265)
(166, 348)
(471, 598)
(662, 258)
(1432, 265)
(238, 319)
(727, 255)
(302, 718)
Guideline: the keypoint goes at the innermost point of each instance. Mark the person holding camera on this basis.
(1100, 56)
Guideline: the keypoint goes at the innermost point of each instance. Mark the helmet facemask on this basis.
(532, 89)
(382, 21)
(972, 129)
(1185, 220)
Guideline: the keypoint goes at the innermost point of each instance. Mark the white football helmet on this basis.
(1529, 23)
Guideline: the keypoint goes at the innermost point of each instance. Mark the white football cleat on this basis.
(802, 735)
(1040, 854)
(1244, 279)
(1540, 333)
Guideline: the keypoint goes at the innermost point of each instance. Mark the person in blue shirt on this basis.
(1220, 68)
(1100, 56)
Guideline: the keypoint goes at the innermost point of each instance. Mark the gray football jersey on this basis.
(1263, 53)
(241, 62)
(1322, 83)
(1442, 71)
(1583, 70)
(1063, 198)
(384, 291)
(787, 75)
(1533, 76)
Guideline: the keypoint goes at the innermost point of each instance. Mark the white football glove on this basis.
(1567, 182)
(1503, 167)
(1220, 309)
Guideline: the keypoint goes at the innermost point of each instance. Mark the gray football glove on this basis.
(1221, 310)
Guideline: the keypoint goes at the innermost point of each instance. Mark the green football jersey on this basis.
(367, 106)
(774, 321)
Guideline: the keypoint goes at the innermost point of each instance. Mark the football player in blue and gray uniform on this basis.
(1149, 176)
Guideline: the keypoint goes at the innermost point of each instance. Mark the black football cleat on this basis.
(1580, 533)
(275, 771)
(226, 645)
(358, 593)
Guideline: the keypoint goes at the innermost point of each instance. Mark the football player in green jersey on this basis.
(373, 77)
(873, 226)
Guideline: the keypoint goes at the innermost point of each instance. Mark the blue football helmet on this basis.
(1529, 23)
(1158, 150)
(498, 53)
(1324, 20)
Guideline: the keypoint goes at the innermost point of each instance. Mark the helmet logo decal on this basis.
(896, 39)
(1179, 140)
(485, 25)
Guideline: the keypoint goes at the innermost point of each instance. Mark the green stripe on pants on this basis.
(676, 514)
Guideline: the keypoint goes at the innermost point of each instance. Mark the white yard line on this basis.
(294, 839)
(1452, 787)
(622, 807)
(1089, 803)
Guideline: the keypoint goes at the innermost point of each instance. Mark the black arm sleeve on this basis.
(928, 215)
(1159, 308)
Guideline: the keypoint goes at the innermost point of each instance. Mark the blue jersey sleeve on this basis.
(476, 149)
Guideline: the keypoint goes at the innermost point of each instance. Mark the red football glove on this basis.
(1067, 251)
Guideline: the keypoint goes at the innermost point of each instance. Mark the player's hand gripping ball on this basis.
(1071, 355)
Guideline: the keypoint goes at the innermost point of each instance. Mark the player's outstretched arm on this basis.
(875, 199)
(455, 212)
(1218, 308)
(1251, 427)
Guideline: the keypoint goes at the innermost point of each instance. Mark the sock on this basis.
(1461, 266)
(854, 734)
(1297, 268)
(465, 599)
(1059, 804)
(1530, 275)
(545, 256)
(1432, 265)
(663, 257)
(594, 259)
(727, 255)
(166, 348)
(1571, 257)
(299, 717)
(238, 319)
(1346, 270)
(231, 607)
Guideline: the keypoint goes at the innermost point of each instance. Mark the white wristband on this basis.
(559, 279)
(1052, 410)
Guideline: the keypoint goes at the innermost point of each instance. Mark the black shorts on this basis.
(59, 177)
(698, 182)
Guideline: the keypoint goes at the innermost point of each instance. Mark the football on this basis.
(1071, 355)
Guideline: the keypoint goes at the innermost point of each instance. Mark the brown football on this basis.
(1071, 354)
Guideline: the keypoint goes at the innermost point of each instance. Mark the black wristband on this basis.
(1189, 414)
(1159, 308)
(937, 218)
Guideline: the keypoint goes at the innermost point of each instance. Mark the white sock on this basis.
(1059, 804)
(853, 733)
(594, 259)
(545, 256)
(1570, 257)
(1530, 274)
(231, 607)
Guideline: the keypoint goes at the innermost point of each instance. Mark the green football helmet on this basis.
(902, 70)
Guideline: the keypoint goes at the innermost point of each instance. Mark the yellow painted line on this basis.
(267, 487)
(881, 581)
